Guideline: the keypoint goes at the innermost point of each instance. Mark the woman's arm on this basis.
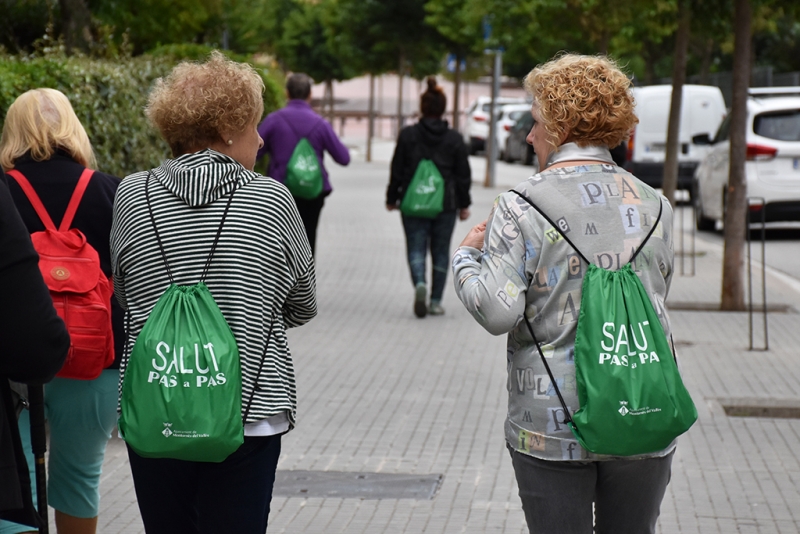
(398, 169)
(491, 282)
(33, 339)
(300, 305)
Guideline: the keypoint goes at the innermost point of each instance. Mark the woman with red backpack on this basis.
(67, 208)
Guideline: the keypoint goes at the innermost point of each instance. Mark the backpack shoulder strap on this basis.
(554, 225)
(650, 233)
(75, 201)
(33, 198)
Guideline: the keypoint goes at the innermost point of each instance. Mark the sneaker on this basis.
(420, 309)
(435, 308)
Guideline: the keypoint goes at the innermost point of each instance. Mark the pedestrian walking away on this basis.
(48, 159)
(33, 345)
(520, 274)
(429, 183)
(204, 228)
(284, 132)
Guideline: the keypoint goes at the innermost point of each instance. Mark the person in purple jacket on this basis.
(281, 131)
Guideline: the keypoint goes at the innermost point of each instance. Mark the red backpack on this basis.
(80, 290)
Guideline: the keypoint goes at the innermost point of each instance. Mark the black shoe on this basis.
(420, 309)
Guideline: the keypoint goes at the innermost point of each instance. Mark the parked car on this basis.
(702, 111)
(517, 147)
(508, 116)
(772, 166)
(476, 123)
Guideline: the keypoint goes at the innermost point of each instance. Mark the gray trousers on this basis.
(557, 497)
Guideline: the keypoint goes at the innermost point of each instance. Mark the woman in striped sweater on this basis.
(262, 278)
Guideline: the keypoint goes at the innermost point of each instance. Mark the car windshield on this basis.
(783, 125)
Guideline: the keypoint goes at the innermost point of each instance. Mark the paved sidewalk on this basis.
(382, 391)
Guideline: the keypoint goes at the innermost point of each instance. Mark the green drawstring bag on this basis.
(182, 388)
(425, 194)
(303, 173)
(632, 398)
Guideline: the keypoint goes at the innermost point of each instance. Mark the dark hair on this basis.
(433, 100)
(298, 85)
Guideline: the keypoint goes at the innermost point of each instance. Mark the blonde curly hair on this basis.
(583, 99)
(199, 102)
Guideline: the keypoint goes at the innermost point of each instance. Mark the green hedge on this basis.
(109, 99)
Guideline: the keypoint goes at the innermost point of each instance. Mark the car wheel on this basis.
(701, 222)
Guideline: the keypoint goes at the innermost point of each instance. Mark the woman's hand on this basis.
(463, 214)
(391, 207)
(475, 236)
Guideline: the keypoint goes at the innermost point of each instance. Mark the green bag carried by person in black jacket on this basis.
(425, 194)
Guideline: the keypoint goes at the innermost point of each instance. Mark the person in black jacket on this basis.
(33, 345)
(44, 141)
(431, 138)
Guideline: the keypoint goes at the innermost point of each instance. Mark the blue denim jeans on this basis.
(434, 234)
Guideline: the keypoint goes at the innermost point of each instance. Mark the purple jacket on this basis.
(281, 131)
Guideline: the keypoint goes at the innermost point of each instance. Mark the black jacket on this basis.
(54, 180)
(33, 345)
(432, 139)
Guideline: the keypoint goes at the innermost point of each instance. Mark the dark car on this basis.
(517, 148)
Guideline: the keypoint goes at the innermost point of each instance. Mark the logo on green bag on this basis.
(641, 411)
(167, 432)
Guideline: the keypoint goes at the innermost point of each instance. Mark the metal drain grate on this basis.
(754, 407)
(350, 485)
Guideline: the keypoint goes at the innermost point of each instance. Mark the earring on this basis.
(230, 141)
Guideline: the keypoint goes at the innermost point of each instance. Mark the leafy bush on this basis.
(109, 99)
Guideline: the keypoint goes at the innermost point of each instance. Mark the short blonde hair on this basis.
(198, 102)
(586, 98)
(41, 121)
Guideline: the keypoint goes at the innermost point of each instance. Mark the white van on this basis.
(702, 111)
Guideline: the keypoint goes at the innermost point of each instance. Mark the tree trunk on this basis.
(75, 20)
(736, 195)
(457, 84)
(371, 117)
(400, 69)
(329, 92)
(670, 179)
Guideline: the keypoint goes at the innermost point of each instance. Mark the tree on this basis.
(670, 178)
(76, 25)
(390, 35)
(736, 220)
(459, 27)
(305, 46)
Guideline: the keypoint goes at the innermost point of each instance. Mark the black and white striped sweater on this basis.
(262, 274)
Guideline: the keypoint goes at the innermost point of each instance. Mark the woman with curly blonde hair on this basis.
(260, 273)
(520, 266)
